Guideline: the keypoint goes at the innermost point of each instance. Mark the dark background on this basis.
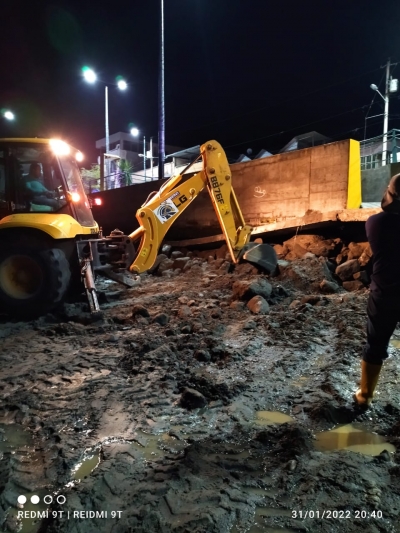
(249, 73)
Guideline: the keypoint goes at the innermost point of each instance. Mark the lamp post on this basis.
(161, 102)
(91, 77)
(386, 112)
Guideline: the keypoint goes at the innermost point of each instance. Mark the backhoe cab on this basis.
(49, 238)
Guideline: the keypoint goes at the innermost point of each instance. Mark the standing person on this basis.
(383, 309)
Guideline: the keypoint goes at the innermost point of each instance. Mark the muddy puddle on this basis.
(153, 447)
(268, 418)
(13, 437)
(89, 462)
(353, 438)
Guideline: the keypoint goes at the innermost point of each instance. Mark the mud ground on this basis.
(156, 413)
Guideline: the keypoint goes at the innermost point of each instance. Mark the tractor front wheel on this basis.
(32, 282)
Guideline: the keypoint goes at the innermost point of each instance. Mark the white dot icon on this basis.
(35, 499)
(22, 499)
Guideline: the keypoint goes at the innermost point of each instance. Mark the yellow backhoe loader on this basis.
(49, 240)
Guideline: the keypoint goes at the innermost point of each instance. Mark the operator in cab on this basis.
(38, 193)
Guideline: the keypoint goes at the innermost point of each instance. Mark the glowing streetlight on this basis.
(91, 77)
(134, 132)
(9, 115)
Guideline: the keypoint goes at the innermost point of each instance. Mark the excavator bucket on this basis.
(262, 255)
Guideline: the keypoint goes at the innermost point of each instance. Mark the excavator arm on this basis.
(160, 211)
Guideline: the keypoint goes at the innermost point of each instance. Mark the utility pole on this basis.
(386, 114)
(107, 134)
(151, 156)
(144, 157)
(161, 103)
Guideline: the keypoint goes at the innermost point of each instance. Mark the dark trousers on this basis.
(383, 314)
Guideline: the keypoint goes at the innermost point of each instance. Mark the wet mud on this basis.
(187, 409)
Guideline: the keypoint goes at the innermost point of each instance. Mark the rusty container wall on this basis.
(277, 188)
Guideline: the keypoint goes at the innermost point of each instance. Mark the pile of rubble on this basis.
(339, 264)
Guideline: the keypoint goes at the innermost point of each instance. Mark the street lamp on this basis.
(385, 120)
(7, 114)
(91, 77)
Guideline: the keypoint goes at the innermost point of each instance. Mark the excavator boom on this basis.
(159, 212)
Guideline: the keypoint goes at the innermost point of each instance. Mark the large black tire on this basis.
(32, 282)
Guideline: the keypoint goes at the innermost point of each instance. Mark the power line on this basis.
(282, 102)
(296, 127)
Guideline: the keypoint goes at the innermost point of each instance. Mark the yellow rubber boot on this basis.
(369, 379)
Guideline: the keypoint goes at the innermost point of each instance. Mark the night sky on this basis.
(249, 73)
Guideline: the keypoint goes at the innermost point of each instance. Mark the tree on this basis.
(91, 178)
(126, 170)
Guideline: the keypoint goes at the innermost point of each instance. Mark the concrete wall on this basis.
(375, 181)
(281, 187)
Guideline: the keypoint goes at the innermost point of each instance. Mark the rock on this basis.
(192, 399)
(159, 259)
(346, 270)
(365, 256)
(329, 287)
(161, 319)
(280, 250)
(166, 249)
(323, 248)
(184, 311)
(246, 269)
(168, 273)
(180, 262)
(186, 329)
(292, 464)
(258, 305)
(309, 243)
(296, 252)
(166, 264)
(356, 249)
(175, 254)
(294, 304)
(354, 285)
(202, 355)
(139, 310)
(244, 290)
(250, 324)
(362, 276)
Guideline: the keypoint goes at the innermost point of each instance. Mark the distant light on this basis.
(373, 87)
(89, 74)
(394, 86)
(97, 201)
(134, 132)
(79, 156)
(9, 115)
(122, 85)
(75, 197)
(59, 147)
